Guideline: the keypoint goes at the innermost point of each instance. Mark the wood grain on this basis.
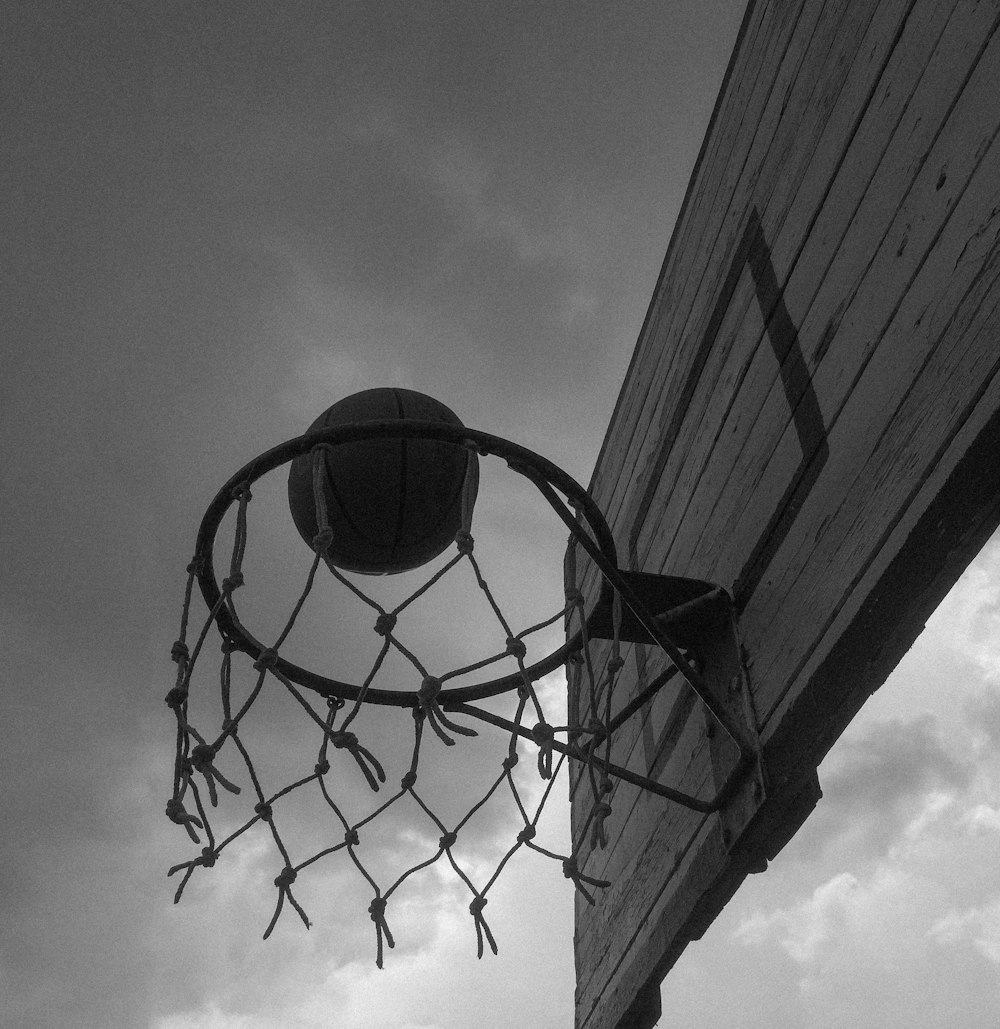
(811, 419)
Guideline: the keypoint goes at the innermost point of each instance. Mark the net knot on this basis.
(201, 760)
(267, 659)
(464, 542)
(179, 652)
(516, 648)
(376, 909)
(526, 834)
(406, 783)
(385, 623)
(543, 734)
(571, 870)
(176, 697)
(208, 856)
(232, 582)
(202, 757)
(264, 811)
(351, 838)
(509, 761)
(195, 565)
(363, 758)
(598, 836)
(322, 540)
(575, 658)
(574, 598)
(448, 840)
(284, 881)
(285, 877)
(228, 646)
(321, 767)
(482, 929)
(429, 689)
(176, 813)
(616, 664)
(427, 704)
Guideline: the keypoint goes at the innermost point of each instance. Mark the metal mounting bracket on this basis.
(699, 618)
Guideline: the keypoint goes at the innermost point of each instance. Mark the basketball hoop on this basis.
(690, 621)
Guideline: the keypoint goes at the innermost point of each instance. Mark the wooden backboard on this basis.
(811, 419)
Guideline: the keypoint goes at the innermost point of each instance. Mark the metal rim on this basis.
(525, 462)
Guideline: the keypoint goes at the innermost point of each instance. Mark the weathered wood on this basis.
(816, 61)
(737, 110)
(811, 417)
(753, 376)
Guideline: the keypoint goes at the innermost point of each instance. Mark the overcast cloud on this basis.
(217, 220)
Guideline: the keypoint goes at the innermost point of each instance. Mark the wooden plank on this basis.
(756, 373)
(757, 35)
(631, 658)
(955, 510)
(733, 133)
(916, 257)
(870, 163)
(696, 864)
(947, 368)
(815, 65)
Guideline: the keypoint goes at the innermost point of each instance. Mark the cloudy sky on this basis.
(217, 220)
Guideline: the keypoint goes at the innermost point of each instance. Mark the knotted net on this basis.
(205, 757)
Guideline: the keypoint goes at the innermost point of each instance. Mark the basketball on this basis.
(393, 504)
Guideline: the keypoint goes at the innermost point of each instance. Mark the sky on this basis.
(220, 219)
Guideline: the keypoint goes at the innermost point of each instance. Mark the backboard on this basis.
(811, 419)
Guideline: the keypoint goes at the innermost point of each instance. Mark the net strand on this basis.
(195, 756)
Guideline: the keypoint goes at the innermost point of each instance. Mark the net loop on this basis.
(202, 760)
(427, 696)
(482, 926)
(543, 734)
(571, 870)
(376, 910)
(598, 836)
(372, 770)
(177, 815)
(283, 881)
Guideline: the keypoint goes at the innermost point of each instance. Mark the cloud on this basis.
(875, 784)
(980, 926)
(916, 828)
